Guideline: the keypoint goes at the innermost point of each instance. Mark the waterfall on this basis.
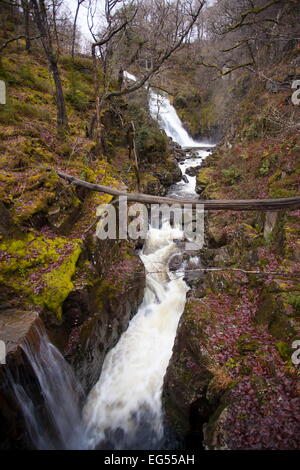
(57, 423)
(162, 111)
(124, 410)
(165, 114)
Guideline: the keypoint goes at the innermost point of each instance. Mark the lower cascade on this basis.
(123, 411)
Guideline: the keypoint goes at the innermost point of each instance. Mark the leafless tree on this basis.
(40, 15)
(239, 32)
(79, 3)
(154, 28)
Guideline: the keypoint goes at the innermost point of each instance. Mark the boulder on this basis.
(193, 170)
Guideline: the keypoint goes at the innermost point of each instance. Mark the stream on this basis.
(124, 408)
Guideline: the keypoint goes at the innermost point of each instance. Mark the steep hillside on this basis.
(232, 372)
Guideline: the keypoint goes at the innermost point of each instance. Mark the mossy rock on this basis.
(271, 313)
(246, 344)
(204, 178)
(266, 310)
(284, 350)
(41, 268)
(281, 327)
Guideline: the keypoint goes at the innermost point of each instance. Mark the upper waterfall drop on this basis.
(164, 112)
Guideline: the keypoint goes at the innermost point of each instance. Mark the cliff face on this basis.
(231, 383)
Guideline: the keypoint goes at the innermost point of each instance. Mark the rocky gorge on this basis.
(143, 344)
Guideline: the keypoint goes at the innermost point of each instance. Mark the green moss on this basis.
(231, 175)
(58, 283)
(32, 202)
(232, 363)
(41, 268)
(266, 310)
(246, 344)
(280, 327)
(204, 178)
(15, 110)
(37, 78)
(78, 91)
(293, 299)
(285, 187)
(284, 350)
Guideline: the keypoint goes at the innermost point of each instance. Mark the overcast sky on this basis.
(82, 17)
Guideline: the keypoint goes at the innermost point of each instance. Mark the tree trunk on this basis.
(98, 103)
(62, 119)
(41, 20)
(132, 152)
(25, 7)
(288, 203)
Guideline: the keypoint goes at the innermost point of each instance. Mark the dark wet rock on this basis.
(108, 315)
(16, 326)
(219, 385)
(193, 170)
(169, 174)
(217, 237)
(7, 226)
(96, 313)
(185, 178)
(107, 293)
(152, 185)
(156, 179)
(187, 379)
(177, 151)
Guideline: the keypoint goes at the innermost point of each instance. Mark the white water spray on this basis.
(164, 112)
(124, 408)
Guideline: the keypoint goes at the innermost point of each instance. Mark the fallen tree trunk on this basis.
(290, 203)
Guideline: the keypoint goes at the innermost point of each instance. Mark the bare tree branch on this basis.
(22, 36)
(140, 83)
(254, 11)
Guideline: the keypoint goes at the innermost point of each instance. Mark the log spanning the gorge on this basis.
(290, 203)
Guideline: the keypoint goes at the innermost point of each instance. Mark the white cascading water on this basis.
(124, 409)
(164, 112)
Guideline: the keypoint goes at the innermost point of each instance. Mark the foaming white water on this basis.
(164, 112)
(130, 76)
(124, 408)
